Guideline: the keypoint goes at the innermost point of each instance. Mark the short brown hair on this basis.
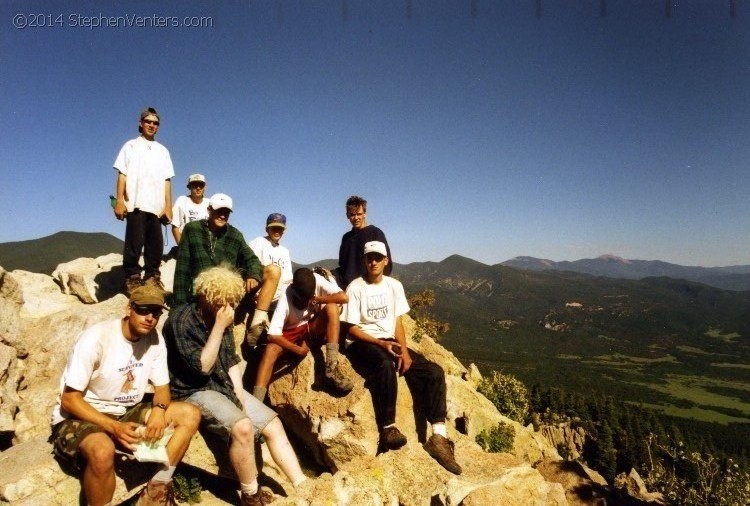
(356, 201)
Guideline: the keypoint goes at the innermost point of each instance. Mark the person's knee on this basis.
(331, 313)
(98, 451)
(186, 415)
(273, 430)
(271, 272)
(272, 352)
(243, 432)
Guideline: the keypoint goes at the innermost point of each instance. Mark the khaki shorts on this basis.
(68, 434)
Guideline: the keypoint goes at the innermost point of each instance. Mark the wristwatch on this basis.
(160, 405)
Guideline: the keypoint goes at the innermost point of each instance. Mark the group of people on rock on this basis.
(194, 368)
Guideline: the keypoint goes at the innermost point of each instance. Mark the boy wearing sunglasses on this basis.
(144, 200)
(100, 406)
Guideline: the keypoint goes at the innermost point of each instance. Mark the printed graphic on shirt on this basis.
(377, 306)
(194, 215)
(129, 372)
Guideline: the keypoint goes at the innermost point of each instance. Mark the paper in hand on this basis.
(156, 451)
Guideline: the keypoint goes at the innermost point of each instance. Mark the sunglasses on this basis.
(154, 311)
(150, 122)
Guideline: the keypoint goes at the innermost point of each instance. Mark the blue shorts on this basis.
(219, 414)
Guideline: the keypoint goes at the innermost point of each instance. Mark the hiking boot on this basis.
(255, 331)
(157, 493)
(336, 380)
(155, 281)
(131, 283)
(391, 439)
(441, 449)
(260, 498)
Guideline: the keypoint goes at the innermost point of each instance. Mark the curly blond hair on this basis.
(220, 285)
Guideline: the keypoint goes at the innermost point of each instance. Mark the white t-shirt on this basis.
(111, 371)
(287, 316)
(268, 254)
(185, 210)
(374, 307)
(146, 165)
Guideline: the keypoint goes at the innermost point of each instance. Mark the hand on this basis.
(303, 349)
(120, 210)
(167, 215)
(393, 348)
(404, 362)
(155, 426)
(126, 434)
(250, 284)
(224, 316)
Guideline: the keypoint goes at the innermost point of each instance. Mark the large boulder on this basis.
(91, 279)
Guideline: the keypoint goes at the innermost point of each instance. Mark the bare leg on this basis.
(265, 367)
(185, 418)
(99, 475)
(282, 451)
(242, 451)
(271, 277)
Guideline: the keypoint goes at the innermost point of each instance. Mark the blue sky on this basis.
(472, 127)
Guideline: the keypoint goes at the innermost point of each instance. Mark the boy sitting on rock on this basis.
(378, 349)
(307, 311)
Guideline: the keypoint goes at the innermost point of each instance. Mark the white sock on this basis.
(249, 488)
(440, 429)
(259, 316)
(164, 474)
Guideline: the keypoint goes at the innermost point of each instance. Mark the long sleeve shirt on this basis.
(200, 249)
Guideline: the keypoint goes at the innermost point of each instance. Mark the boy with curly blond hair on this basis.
(205, 370)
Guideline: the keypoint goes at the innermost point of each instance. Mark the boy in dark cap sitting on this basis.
(307, 311)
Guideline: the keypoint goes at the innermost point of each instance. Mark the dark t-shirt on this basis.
(351, 253)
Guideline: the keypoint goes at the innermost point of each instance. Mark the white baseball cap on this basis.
(375, 247)
(220, 201)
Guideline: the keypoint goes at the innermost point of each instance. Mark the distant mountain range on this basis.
(673, 343)
(729, 278)
(44, 254)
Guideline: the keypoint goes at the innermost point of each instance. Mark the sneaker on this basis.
(131, 283)
(260, 498)
(336, 380)
(391, 439)
(157, 493)
(255, 331)
(441, 449)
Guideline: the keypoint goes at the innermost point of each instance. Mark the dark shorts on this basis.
(68, 434)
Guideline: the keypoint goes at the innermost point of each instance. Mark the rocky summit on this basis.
(336, 437)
